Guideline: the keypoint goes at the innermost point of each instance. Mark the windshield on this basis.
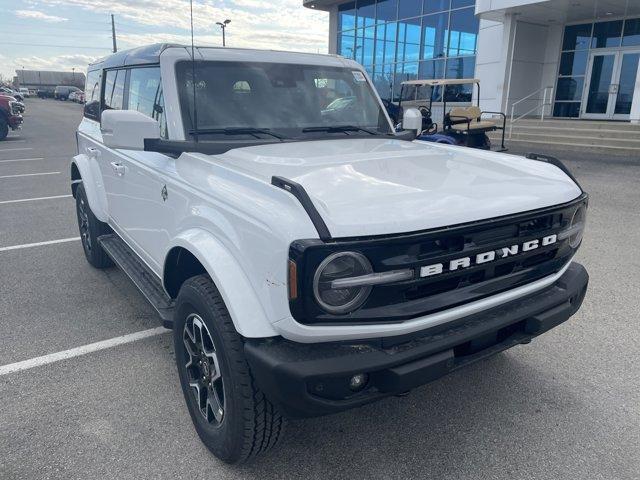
(288, 100)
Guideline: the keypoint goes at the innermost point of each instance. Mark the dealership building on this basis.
(568, 58)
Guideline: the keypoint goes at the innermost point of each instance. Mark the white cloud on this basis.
(37, 15)
(59, 62)
(282, 24)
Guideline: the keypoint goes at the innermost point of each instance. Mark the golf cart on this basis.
(462, 125)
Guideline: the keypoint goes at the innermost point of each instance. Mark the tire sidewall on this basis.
(4, 128)
(225, 439)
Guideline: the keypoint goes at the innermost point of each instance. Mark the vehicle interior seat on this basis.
(461, 115)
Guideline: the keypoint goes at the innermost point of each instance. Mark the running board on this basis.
(142, 277)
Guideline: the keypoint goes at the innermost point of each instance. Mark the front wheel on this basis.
(90, 229)
(230, 413)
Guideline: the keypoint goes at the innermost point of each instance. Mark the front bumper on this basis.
(306, 380)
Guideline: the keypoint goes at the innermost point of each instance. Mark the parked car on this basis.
(45, 93)
(24, 91)
(13, 93)
(62, 92)
(311, 259)
(77, 96)
(10, 114)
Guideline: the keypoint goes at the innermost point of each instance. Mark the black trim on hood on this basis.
(553, 161)
(301, 194)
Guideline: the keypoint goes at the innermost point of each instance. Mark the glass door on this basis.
(601, 89)
(626, 84)
(611, 82)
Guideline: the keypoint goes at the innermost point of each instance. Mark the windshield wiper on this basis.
(238, 131)
(340, 128)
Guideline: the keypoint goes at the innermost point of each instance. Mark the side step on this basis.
(143, 278)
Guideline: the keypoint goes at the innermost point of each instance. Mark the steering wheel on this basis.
(425, 111)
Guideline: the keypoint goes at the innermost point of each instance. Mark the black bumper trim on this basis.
(312, 379)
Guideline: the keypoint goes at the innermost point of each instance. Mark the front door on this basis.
(611, 79)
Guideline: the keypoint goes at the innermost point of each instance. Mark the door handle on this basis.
(93, 152)
(118, 168)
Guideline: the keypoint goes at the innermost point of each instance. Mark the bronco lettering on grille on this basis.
(486, 257)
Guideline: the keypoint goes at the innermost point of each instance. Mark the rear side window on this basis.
(92, 95)
(145, 95)
(114, 89)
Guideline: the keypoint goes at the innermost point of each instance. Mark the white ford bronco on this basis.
(307, 256)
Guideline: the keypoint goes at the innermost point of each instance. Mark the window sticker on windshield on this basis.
(358, 76)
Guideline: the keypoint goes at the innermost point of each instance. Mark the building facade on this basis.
(568, 58)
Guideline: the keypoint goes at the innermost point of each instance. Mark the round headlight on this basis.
(337, 266)
(578, 222)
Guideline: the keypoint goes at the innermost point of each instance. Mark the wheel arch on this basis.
(80, 172)
(196, 251)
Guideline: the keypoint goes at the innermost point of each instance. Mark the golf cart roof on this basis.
(436, 82)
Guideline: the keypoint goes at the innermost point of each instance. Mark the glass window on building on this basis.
(573, 63)
(366, 13)
(631, 37)
(346, 43)
(434, 35)
(347, 16)
(606, 34)
(463, 33)
(398, 40)
(408, 40)
(409, 8)
(577, 37)
(386, 10)
(432, 6)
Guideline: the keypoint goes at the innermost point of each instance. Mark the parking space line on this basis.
(38, 244)
(29, 174)
(33, 199)
(78, 351)
(21, 160)
(14, 149)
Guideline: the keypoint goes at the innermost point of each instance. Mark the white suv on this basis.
(309, 258)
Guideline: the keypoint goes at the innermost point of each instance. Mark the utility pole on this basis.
(223, 25)
(113, 34)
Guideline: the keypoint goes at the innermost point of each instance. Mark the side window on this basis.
(114, 89)
(145, 95)
(92, 95)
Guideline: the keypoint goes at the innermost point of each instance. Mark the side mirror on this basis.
(127, 129)
(412, 120)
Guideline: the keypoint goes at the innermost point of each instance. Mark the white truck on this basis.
(307, 256)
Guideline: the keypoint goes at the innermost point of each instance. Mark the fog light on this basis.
(358, 382)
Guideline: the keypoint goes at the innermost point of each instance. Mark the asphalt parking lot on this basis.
(566, 406)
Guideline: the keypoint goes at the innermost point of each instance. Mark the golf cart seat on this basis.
(469, 118)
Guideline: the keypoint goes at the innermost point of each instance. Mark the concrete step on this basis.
(610, 133)
(577, 140)
(575, 147)
(578, 124)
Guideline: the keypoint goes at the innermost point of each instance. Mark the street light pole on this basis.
(223, 25)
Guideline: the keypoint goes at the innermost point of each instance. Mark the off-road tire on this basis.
(94, 252)
(4, 128)
(251, 425)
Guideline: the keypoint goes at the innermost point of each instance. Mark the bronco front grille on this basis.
(425, 295)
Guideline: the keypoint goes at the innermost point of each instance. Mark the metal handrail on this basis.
(544, 103)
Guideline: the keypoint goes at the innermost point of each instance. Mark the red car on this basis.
(10, 115)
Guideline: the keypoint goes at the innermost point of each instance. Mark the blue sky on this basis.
(62, 34)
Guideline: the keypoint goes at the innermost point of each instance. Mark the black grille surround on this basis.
(409, 299)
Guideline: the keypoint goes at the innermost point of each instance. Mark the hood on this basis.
(382, 186)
